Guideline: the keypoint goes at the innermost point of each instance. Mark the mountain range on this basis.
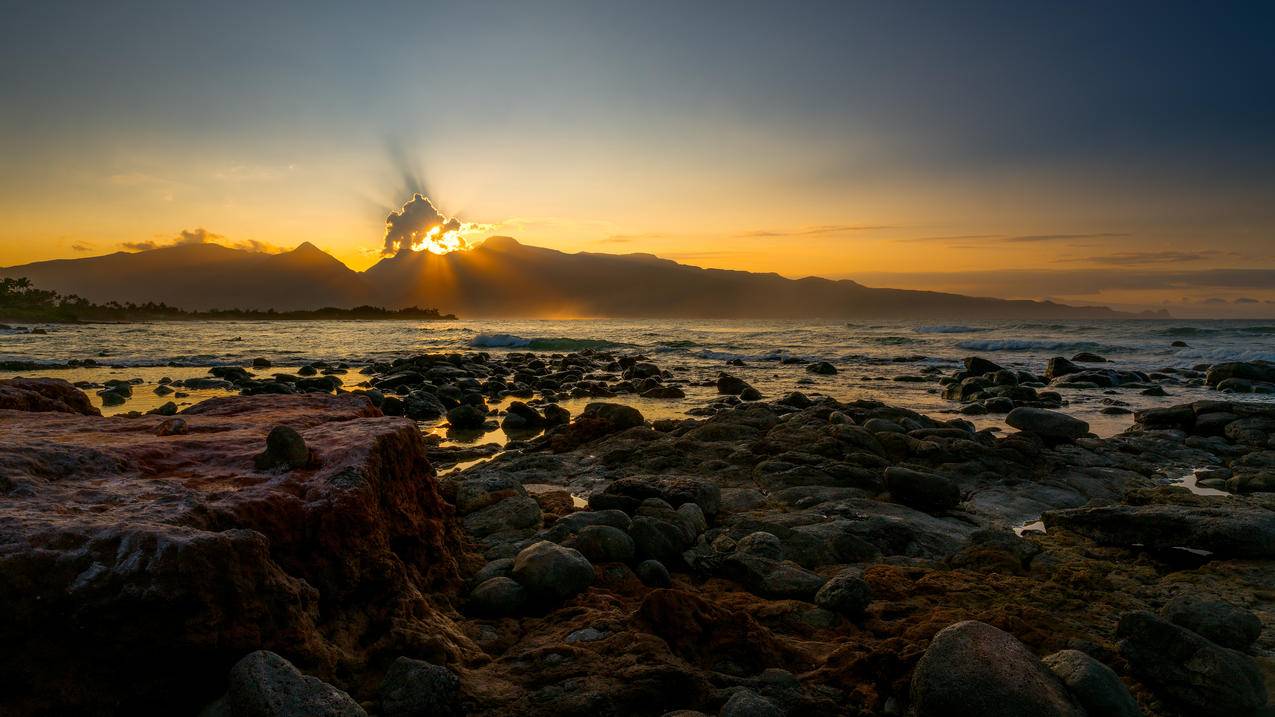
(501, 278)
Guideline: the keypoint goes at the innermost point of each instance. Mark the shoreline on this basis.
(829, 546)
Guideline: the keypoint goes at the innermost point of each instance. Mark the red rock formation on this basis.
(136, 568)
(44, 394)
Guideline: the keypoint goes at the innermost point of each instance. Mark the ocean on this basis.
(869, 355)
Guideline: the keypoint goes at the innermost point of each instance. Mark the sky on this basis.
(1112, 153)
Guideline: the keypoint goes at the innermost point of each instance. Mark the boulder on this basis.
(653, 574)
(846, 593)
(466, 417)
(1226, 532)
(1059, 366)
(497, 596)
(263, 684)
(978, 366)
(1047, 423)
(1220, 622)
(917, 489)
(729, 385)
(285, 448)
(143, 567)
(746, 703)
(415, 688)
(1184, 667)
(605, 544)
(552, 572)
(972, 669)
(823, 368)
(40, 395)
(1093, 684)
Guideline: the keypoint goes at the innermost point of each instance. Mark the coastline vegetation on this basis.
(22, 302)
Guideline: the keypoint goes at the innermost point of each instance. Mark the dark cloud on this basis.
(413, 221)
(1073, 282)
(1246, 300)
(1132, 258)
(82, 247)
(1060, 237)
(188, 237)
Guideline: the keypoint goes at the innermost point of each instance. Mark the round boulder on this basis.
(550, 571)
(605, 544)
(846, 593)
(1047, 423)
(972, 669)
(925, 491)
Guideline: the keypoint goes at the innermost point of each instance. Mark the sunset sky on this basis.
(1102, 153)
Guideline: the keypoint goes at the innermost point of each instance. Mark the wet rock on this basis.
(424, 406)
(1220, 622)
(972, 669)
(628, 493)
(661, 540)
(822, 368)
(1087, 357)
(729, 385)
(750, 394)
(261, 363)
(509, 514)
(40, 395)
(1093, 684)
(846, 593)
(556, 415)
(1188, 669)
(415, 688)
(116, 584)
(925, 491)
(285, 448)
(1250, 371)
(466, 417)
(552, 572)
(771, 578)
(497, 596)
(1059, 366)
(1226, 532)
(1047, 423)
(263, 684)
(605, 544)
(978, 366)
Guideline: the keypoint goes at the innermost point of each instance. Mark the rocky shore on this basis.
(294, 551)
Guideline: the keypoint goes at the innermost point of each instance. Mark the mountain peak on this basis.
(500, 243)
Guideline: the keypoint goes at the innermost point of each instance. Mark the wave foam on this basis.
(542, 344)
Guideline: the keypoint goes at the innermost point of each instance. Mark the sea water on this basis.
(868, 354)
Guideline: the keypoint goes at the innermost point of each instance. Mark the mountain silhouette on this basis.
(502, 278)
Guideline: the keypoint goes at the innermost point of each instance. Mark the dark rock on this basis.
(972, 669)
(172, 427)
(653, 574)
(978, 366)
(1226, 532)
(773, 579)
(1220, 622)
(466, 417)
(552, 572)
(750, 394)
(1086, 357)
(415, 688)
(1059, 366)
(285, 448)
(926, 491)
(263, 684)
(39, 395)
(556, 415)
(729, 385)
(1047, 423)
(497, 596)
(1093, 684)
(746, 703)
(846, 593)
(261, 363)
(604, 544)
(1188, 669)
(661, 540)
(823, 368)
(1250, 371)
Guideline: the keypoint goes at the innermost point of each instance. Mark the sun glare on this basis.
(437, 241)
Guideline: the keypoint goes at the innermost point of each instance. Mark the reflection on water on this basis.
(870, 356)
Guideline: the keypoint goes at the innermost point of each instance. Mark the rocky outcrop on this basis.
(44, 394)
(136, 568)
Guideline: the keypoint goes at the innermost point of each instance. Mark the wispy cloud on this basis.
(82, 247)
(1025, 238)
(814, 230)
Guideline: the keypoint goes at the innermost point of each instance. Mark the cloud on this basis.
(411, 223)
(952, 237)
(812, 231)
(187, 237)
(1060, 237)
(82, 247)
(1246, 300)
(1130, 258)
